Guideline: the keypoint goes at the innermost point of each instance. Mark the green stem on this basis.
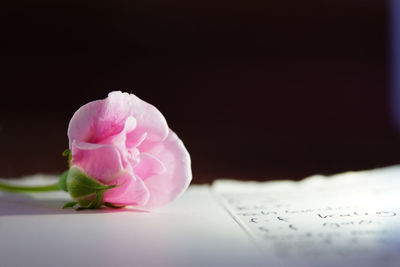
(24, 189)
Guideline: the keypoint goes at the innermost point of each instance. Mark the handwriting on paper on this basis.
(314, 225)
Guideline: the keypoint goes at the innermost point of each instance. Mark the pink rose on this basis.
(124, 141)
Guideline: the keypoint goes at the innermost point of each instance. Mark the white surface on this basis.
(193, 231)
(350, 219)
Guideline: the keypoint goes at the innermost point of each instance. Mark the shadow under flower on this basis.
(46, 204)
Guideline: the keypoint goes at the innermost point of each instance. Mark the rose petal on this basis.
(174, 181)
(134, 139)
(132, 191)
(119, 139)
(148, 166)
(101, 119)
(82, 124)
(100, 161)
(149, 119)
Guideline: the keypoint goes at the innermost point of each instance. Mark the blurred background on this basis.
(256, 89)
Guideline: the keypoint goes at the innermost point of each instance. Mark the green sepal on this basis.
(97, 201)
(80, 185)
(84, 202)
(67, 153)
(70, 204)
(94, 204)
(87, 192)
(62, 182)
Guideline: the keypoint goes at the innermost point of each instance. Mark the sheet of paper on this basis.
(350, 219)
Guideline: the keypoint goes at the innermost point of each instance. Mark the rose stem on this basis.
(21, 189)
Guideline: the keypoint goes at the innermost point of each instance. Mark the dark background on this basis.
(256, 89)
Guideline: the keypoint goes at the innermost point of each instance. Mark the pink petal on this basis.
(132, 191)
(149, 119)
(135, 139)
(82, 124)
(101, 161)
(119, 139)
(148, 166)
(101, 119)
(174, 181)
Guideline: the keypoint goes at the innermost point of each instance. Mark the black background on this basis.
(256, 89)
